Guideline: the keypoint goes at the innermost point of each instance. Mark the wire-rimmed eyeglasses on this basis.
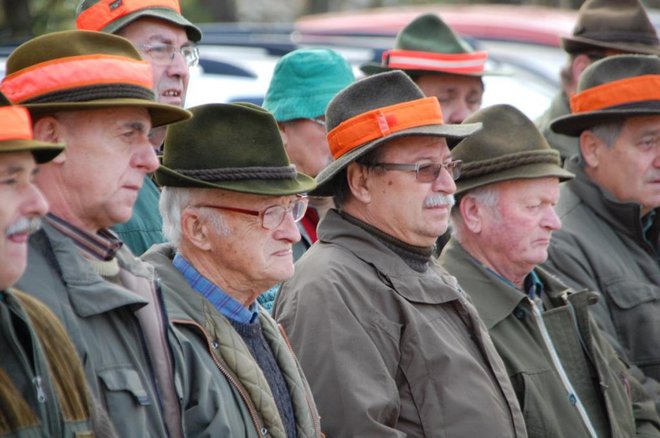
(424, 172)
(163, 54)
(271, 217)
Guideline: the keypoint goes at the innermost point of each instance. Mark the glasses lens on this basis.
(273, 217)
(428, 172)
(191, 55)
(454, 168)
(159, 53)
(298, 208)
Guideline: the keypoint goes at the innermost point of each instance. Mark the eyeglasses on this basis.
(163, 54)
(271, 217)
(318, 122)
(424, 172)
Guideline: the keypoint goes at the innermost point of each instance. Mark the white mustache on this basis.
(438, 200)
(24, 225)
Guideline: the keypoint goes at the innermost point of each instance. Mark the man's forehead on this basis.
(156, 29)
(16, 162)
(418, 145)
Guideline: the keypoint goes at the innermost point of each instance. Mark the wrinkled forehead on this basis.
(414, 148)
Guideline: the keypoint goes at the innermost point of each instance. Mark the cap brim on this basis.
(574, 44)
(574, 124)
(161, 114)
(43, 152)
(193, 32)
(279, 187)
(530, 171)
(372, 69)
(325, 178)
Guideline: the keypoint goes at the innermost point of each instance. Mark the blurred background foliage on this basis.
(23, 19)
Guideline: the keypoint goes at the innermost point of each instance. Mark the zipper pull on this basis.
(41, 395)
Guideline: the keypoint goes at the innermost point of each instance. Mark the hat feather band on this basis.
(459, 63)
(485, 167)
(240, 173)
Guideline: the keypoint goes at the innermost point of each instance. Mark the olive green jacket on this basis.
(566, 145)
(222, 379)
(568, 379)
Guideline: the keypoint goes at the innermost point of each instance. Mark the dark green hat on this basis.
(508, 147)
(111, 15)
(16, 134)
(79, 70)
(234, 147)
(428, 46)
(612, 89)
(615, 25)
(363, 116)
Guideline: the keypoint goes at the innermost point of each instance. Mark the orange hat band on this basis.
(15, 123)
(382, 122)
(615, 93)
(460, 63)
(75, 72)
(106, 11)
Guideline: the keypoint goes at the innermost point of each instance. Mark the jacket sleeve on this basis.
(351, 371)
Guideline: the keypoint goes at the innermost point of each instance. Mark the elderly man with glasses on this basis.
(167, 40)
(230, 204)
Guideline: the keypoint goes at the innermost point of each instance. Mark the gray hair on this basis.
(173, 200)
(487, 195)
(608, 132)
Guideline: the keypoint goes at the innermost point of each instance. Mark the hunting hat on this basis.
(509, 146)
(234, 147)
(304, 81)
(375, 110)
(612, 89)
(16, 134)
(427, 46)
(621, 25)
(111, 15)
(82, 70)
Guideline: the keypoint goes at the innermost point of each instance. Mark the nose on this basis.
(551, 220)
(178, 67)
(444, 183)
(34, 202)
(288, 229)
(145, 157)
(459, 111)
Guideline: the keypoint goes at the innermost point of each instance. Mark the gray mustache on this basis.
(23, 225)
(438, 200)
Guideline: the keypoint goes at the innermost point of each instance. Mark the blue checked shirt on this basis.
(225, 304)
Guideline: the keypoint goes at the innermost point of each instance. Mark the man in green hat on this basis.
(603, 28)
(386, 338)
(92, 92)
(441, 63)
(167, 40)
(609, 242)
(230, 212)
(565, 373)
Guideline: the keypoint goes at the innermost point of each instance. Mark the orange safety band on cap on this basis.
(448, 62)
(382, 122)
(106, 11)
(75, 72)
(15, 123)
(621, 92)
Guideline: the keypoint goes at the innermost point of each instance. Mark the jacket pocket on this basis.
(629, 293)
(125, 398)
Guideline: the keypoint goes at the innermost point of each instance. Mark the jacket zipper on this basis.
(572, 394)
(261, 430)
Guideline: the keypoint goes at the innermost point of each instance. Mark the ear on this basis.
(283, 131)
(357, 177)
(590, 146)
(194, 230)
(580, 63)
(49, 129)
(471, 212)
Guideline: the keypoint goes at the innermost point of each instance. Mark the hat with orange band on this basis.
(111, 15)
(16, 133)
(427, 46)
(363, 116)
(78, 70)
(612, 89)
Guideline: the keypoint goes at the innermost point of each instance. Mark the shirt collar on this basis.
(224, 303)
(102, 245)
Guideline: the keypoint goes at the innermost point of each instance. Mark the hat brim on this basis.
(161, 114)
(302, 183)
(372, 69)
(325, 178)
(530, 171)
(193, 32)
(574, 124)
(576, 44)
(43, 152)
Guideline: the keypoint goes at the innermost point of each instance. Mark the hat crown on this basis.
(429, 33)
(614, 68)
(304, 82)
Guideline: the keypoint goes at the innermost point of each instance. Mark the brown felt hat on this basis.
(375, 110)
(80, 70)
(111, 15)
(611, 89)
(16, 134)
(234, 147)
(621, 25)
(509, 146)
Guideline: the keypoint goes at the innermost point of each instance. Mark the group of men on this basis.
(509, 326)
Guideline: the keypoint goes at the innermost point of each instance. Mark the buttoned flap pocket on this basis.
(629, 293)
(125, 380)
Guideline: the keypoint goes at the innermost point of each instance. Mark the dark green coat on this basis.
(566, 145)
(602, 247)
(614, 401)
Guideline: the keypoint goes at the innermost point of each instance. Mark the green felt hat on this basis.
(427, 45)
(234, 147)
(111, 15)
(19, 137)
(366, 97)
(304, 81)
(613, 24)
(79, 70)
(630, 84)
(508, 147)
